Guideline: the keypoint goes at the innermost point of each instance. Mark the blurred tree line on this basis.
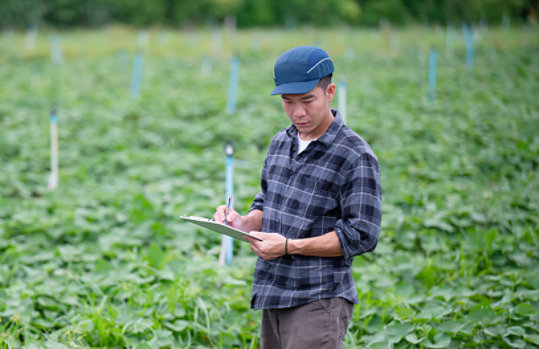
(261, 13)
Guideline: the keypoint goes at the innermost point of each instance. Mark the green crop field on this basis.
(103, 260)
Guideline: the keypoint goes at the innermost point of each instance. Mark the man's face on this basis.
(309, 112)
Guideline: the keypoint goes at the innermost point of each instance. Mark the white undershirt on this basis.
(303, 144)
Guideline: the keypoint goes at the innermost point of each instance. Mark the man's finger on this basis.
(251, 239)
(219, 215)
(258, 234)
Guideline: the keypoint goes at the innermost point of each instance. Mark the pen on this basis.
(227, 208)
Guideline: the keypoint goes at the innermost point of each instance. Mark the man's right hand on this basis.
(233, 219)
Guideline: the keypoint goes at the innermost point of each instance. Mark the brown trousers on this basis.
(318, 325)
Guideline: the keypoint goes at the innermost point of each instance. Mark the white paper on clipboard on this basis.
(219, 227)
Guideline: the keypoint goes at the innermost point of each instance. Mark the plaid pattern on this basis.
(333, 185)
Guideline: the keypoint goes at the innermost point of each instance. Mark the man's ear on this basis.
(330, 92)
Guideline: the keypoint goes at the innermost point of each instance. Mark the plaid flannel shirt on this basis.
(334, 184)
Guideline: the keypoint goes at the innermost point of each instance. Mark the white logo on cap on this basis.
(314, 66)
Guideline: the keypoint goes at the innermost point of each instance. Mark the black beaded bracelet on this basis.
(286, 246)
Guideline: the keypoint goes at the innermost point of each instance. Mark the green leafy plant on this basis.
(104, 261)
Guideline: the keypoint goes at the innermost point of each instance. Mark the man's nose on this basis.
(299, 111)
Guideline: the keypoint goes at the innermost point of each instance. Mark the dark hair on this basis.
(324, 82)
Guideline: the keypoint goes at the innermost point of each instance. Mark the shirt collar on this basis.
(329, 136)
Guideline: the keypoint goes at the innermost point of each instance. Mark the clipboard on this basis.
(219, 227)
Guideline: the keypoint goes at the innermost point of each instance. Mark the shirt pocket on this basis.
(320, 195)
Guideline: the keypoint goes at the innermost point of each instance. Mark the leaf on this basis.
(379, 337)
(434, 310)
(482, 314)
(396, 331)
(525, 309)
(412, 338)
(478, 217)
(453, 326)
(161, 339)
(166, 274)
(439, 223)
(43, 323)
(201, 304)
(138, 326)
(53, 344)
(521, 259)
(495, 331)
(228, 340)
(373, 324)
(527, 294)
(143, 345)
(533, 280)
(377, 345)
(517, 331)
(367, 313)
(441, 340)
(156, 256)
(517, 343)
(404, 313)
(102, 267)
(533, 338)
(179, 310)
(446, 293)
(127, 316)
(177, 326)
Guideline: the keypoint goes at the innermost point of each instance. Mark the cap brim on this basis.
(295, 88)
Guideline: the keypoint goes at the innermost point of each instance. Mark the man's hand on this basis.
(272, 246)
(233, 218)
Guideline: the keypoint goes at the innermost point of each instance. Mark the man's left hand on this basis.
(272, 246)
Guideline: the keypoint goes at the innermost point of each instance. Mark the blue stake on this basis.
(142, 39)
(56, 50)
(290, 23)
(448, 40)
(31, 36)
(216, 41)
(34, 77)
(469, 46)
(54, 174)
(349, 53)
(233, 85)
(123, 59)
(255, 44)
(227, 242)
(506, 21)
(137, 75)
(342, 99)
(432, 74)
(205, 66)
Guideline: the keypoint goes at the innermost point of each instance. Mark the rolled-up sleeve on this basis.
(361, 207)
(258, 202)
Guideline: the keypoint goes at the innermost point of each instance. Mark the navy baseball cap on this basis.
(298, 70)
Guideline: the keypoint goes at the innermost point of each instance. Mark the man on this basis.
(319, 206)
